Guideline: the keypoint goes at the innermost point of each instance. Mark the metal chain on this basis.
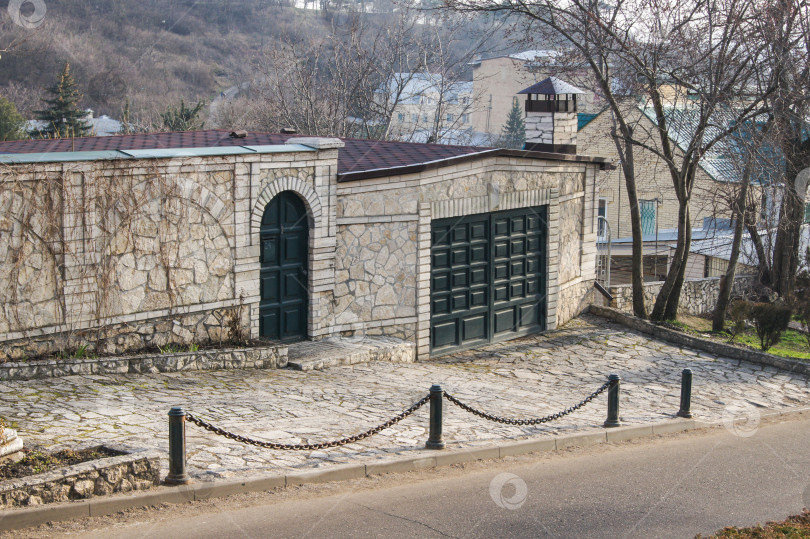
(306, 447)
(535, 421)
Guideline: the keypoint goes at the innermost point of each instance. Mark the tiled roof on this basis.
(358, 155)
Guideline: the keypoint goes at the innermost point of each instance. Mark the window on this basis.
(601, 212)
(424, 118)
(648, 208)
(414, 118)
(449, 118)
(401, 117)
(465, 100)
(465, 118)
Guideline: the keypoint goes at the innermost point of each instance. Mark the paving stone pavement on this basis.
(529, 377)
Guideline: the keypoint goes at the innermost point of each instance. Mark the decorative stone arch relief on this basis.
(169, 252)
(302, 189)
(188, 190)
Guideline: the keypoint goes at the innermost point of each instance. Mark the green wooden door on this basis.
(284, 247)
(488, 278)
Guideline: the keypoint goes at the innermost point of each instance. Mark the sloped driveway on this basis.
(530, 377)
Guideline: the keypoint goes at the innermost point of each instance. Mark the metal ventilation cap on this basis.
(551, 86)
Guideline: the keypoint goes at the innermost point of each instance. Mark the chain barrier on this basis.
(306, 447)
(534, 421)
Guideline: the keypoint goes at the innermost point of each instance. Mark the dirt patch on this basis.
(796, 526)
(37, 462)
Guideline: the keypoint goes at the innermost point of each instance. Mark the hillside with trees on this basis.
(155, 54)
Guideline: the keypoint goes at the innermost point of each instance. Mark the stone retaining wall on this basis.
(713, 347)
(698, 296)
(265, 357)
(137, 470)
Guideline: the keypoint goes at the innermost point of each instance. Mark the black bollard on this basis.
(435, 438)
(613, 402)
(177, 448)
(686, 394)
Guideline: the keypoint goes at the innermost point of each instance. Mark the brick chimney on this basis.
(551, 117)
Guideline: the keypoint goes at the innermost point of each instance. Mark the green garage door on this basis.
(488, 278)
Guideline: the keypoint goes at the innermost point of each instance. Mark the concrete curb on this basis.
(23, 518)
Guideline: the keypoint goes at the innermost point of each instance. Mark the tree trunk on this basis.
(727, 282)
(666, 304)
(637, 267)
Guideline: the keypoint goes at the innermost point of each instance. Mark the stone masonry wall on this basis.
(125, 473)
(384, 236)
(119, 255)
(698, 296)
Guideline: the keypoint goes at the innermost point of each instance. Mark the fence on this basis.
(436, 397)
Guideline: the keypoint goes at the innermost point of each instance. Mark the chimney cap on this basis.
(289, 131)
(241, 133)
(551, 86)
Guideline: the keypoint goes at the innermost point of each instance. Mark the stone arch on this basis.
(300, 188)
(189, 191)
(138, 275)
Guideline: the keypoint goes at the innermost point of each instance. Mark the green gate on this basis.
(284, 247)
(488, 279)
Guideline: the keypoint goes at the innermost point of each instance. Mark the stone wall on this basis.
(258, 357)
(119, 255)
(698, 296)
(135, 471)
(383, 263)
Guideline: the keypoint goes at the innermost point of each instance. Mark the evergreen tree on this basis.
(12, 124)
(181, 119)
(514, 131)
(63, 117)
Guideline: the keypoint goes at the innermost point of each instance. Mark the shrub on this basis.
(801, 299)
(739, 314)
(770, 321)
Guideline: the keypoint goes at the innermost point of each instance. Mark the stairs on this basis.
(337, 351)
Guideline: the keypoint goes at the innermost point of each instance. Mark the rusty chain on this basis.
(535, 421)
(306, 447)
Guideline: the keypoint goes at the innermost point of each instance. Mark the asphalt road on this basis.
(671, 487)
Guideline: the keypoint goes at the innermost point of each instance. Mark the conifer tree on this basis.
(12, 124)
(181, 119)
(63, 118)
(514, 131)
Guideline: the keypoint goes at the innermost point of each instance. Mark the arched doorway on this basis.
(284, 236)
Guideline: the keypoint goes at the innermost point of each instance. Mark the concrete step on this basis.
(336, 351)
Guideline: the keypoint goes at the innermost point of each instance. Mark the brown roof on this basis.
(358, 155)
(359, 159)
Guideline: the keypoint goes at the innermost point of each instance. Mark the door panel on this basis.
(284, 256)
(488, 277)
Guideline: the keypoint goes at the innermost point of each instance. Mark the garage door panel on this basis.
(487, 278)
(528, 315)
(440, 305)
(441, 259)
(445, 334)
(475, 327)
(505, 320)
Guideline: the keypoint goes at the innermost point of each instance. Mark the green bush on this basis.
(770, 321)
(740, 312)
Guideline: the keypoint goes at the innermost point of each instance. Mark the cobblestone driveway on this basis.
(530, 377)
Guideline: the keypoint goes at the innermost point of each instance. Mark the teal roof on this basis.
(584, 118)
(157, 153)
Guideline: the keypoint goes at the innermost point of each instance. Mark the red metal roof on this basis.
(358, 155)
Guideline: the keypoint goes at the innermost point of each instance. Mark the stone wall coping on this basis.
(698, 343)
(137, 364)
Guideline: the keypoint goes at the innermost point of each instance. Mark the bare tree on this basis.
(354, 79)
(688, 62)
